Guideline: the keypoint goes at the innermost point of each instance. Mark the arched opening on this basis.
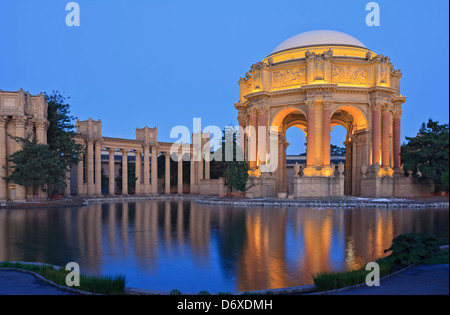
(349, 132)
(295, 152)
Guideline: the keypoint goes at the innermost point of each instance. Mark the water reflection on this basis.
(191, 247)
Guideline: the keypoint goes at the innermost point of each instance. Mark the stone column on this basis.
(124, 172)
(310, 140)
(252, 138)
(154, 167)
(397, 139)
(146, 169)
(167, 173)
(180, 174)
(326, 133)
(41, 131)
(90, 167)
(242, 124)
(112, 182)
(138, 167)
(20, 123)
(67, 188)
(98, 168)
(376, 133)
(193, 173)
(262, 135)
(208, 159)
(385, 141)
(348, 168)
(80, 177)
(3, 156)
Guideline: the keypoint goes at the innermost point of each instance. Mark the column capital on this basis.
(20, 121)
(253, 111)
(41, 123)
(327, 104)
(397, 114)
(112, 150)
(377, 104)
(3, 121)
(310, 104)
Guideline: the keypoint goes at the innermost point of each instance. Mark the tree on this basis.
(60, 133)
(131, 178)
(426, 154)
(236, 175)
(35, 165)
(229, 165)
(337, 151)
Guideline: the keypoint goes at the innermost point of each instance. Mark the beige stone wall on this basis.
(20, 114)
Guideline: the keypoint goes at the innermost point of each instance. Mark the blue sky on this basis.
(139, 62)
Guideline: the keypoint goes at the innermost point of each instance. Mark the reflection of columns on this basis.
(376, 134)
(138, 167)
(167, 173)
(252, 139)
(146, 170)
(310, 135)
(112, 183)
(180, 174)
(326, 133)
(98, 168)
(90, 167)
(154, 166)
(124, 171)
(20, 132)
(80, 176)
(397, 139)
(3, 186)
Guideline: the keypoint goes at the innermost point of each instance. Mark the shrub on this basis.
(411, 248)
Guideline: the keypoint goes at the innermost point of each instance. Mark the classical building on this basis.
(20, 114)
(314, 81)
(143, 152)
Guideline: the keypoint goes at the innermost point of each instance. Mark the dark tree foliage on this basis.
(131, 178)
(61, 132)
(229, 164)
(36, 165)
(426, 154)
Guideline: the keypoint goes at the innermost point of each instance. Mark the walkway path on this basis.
(418, 280)
(22, 283)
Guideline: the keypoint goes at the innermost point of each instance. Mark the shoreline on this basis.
(345, 202)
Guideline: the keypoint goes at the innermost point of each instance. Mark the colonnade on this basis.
(146, 167)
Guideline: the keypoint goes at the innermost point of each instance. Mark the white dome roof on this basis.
(317, 38)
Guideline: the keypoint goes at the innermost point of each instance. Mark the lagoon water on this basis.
(166, 245)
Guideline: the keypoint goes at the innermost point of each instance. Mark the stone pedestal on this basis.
(377, 183)
(319, 186)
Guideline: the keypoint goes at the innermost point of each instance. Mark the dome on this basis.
(319, 38)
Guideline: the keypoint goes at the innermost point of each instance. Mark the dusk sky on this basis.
(162, 63)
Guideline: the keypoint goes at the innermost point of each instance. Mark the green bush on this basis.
(412, 248)
(326, 281)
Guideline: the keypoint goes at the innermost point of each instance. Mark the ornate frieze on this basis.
(349, 75)
(289, 77)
